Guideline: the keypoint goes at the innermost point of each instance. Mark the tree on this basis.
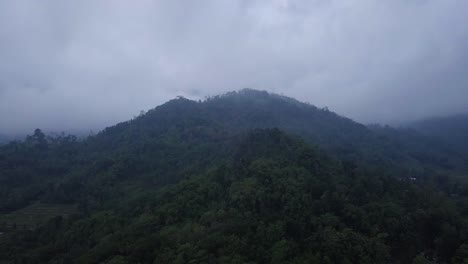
(38, 140)
(422, 259)
(461, 255)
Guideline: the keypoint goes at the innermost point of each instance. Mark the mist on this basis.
(85, 65)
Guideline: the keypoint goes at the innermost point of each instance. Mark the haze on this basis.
(84, 65)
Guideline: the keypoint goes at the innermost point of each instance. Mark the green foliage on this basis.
(421, 259)
(461, 255)
(198, 182)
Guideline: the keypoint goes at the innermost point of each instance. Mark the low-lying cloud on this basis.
(82, 65)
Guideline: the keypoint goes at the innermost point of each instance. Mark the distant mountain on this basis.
(453, 130)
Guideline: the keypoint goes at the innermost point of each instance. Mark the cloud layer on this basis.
(81, 65)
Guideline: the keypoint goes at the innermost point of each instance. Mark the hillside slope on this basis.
(198, 180)
(249, 109)
(181, 136)
(274, 200)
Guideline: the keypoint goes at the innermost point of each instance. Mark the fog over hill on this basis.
(87, 65)
(3, 139)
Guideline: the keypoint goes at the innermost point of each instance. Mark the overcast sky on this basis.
(81, 65)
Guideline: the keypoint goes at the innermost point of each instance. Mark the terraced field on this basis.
(33, 215)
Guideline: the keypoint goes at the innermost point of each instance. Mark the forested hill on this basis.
(273, 200)
(246, 177)
(249, 109)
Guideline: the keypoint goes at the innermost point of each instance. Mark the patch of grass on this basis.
(34, 215)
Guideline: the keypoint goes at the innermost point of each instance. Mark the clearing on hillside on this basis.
(34, 215)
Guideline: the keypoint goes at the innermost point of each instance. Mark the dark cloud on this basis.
(80, 65)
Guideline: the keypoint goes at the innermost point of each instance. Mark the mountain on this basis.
(249, 109)
(450, 129)
(246, 177)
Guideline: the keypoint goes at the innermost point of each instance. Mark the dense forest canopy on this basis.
(245, 177)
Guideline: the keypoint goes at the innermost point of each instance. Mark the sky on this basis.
(84, 65)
